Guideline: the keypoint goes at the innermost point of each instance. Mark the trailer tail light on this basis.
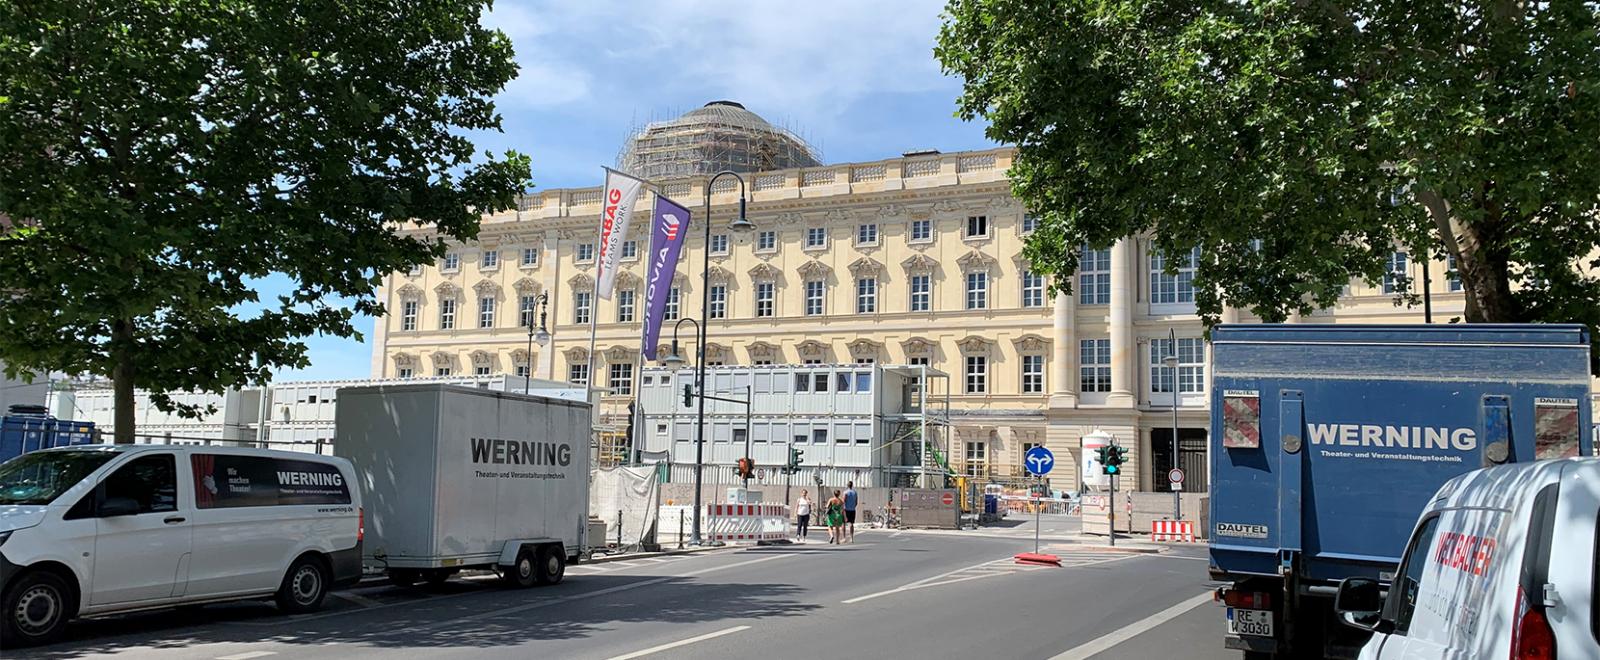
(1247, 600)
(361, 524)
(1531, 637)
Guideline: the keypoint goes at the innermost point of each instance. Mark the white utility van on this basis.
(1500, 565)
(95, 529)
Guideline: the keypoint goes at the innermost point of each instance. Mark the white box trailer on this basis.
(459, 477)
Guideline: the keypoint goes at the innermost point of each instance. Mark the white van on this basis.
(95, 529)
(1500, 565)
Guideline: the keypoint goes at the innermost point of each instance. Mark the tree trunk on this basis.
(122, 372)
(1482, 263)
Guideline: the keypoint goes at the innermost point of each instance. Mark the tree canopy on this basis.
(1297, 143)
(159, 157)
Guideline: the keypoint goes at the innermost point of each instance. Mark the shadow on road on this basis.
(455, 615)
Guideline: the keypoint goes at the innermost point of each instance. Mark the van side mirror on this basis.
(117, 506)
(1360, 603)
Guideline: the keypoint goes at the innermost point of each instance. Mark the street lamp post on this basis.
(1171, 360)
(739, 224)
(540, 336)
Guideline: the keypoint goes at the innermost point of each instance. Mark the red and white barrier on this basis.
(1172, 530)
(747, 522)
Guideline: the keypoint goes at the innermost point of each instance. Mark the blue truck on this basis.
(30, 428)
(1328, 440)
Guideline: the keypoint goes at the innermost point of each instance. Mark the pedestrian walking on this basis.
(802, 512)
(835, 513)
(850, 499)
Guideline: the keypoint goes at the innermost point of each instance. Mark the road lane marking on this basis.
(247, 655)
(1132, 630)
(925, 581)
(683, 642)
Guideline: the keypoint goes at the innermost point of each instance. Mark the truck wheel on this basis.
(304, 586)
(524, 572)
(37, 607)
(552, 565)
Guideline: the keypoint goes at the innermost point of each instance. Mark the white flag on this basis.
(620, 193)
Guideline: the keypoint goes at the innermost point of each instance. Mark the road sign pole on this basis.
(1036, 507)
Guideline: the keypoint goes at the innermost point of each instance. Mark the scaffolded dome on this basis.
(723, 135)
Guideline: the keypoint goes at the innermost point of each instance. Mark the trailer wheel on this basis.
(523, 573)
(552, 565)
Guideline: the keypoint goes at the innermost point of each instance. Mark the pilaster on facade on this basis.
(1124, 351)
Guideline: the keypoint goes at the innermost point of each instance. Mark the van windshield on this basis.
(41, 477)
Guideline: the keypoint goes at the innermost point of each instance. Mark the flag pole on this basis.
(640, 304)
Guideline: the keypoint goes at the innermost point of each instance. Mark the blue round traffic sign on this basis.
(1038, 460)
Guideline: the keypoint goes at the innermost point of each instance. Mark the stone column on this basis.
(1063, 366)
(1124, 351)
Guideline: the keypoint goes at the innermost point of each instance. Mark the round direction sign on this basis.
(1038, 461)
(948, 499)
(1175, 475)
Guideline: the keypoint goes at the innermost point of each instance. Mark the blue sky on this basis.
(857, 79)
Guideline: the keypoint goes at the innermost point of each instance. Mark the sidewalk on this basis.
(1085, 541)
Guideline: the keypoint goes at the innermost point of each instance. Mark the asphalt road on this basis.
(890, 595)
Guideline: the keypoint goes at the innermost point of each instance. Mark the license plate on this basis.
(1250, 622)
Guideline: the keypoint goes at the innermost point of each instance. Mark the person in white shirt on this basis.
(802, 512)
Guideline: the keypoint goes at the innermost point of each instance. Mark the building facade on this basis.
(912, 261)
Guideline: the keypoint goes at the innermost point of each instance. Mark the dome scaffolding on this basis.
(722, 135)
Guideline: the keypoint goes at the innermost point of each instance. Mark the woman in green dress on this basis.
(835, 515)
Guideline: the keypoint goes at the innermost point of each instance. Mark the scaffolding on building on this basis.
(723, 135)
(919, 434)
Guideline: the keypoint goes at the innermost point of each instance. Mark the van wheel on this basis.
(523, 573)
(37, 607)
(304, 587)
(552, 565)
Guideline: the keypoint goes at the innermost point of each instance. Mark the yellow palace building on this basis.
(904, 261)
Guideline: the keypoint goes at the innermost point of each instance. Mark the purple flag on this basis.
(668, 230)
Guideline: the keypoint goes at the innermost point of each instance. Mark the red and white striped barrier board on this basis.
(1172, 530)
(747, 522)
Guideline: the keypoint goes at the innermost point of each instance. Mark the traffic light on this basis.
(796, 457)
(1112, 463)
(688, 396)
(1101, 454)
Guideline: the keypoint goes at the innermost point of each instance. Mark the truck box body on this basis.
(20, 434)
(450, 475)
(1360, 425)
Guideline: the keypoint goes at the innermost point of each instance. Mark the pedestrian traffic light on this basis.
(796, 457)
(688, 396)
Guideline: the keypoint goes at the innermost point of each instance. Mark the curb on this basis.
(602, 559)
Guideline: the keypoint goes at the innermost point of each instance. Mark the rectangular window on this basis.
(977, 290)
(525, 306)
(1395, 279)
(245, 481)
(625, 306)
(819, 436)
(1032, 289)
(486, 312)
(1094, 365)
(719, 244)
(977, 455)
(630, 249)
(580, 306)
(867, 234)
(819, 382)
(405, 372)
(578, 374)
(866, 295)
(762, 363)
(842, 383)
(814, 289)
(977, 226)
(408, 315)
(522, 370)
(452, 262)
(977, 374)
(921, 230)
(480, 371)
(585, 252)
(764, 294)
(921, 293)
(621, 383)
(447, 314)
(1176, 288)
(1032, 374)
(1452, 277)
(530, 257)
(442, 371)
(719, 301)
(864, 380)
(1191, 365)
(670, 310)
(491, 259)
(816, 237)
(1094, 277)
(1029, 223)
(767, 240)
(802, 382)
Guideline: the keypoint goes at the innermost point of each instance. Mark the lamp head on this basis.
(1170, 361)
(742, 224)
(674, 358)
(541, 337)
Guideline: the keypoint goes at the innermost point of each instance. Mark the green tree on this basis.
(1296, 143)
(159, 157)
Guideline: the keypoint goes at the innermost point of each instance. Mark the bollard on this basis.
(680, 530)
(619, 529)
